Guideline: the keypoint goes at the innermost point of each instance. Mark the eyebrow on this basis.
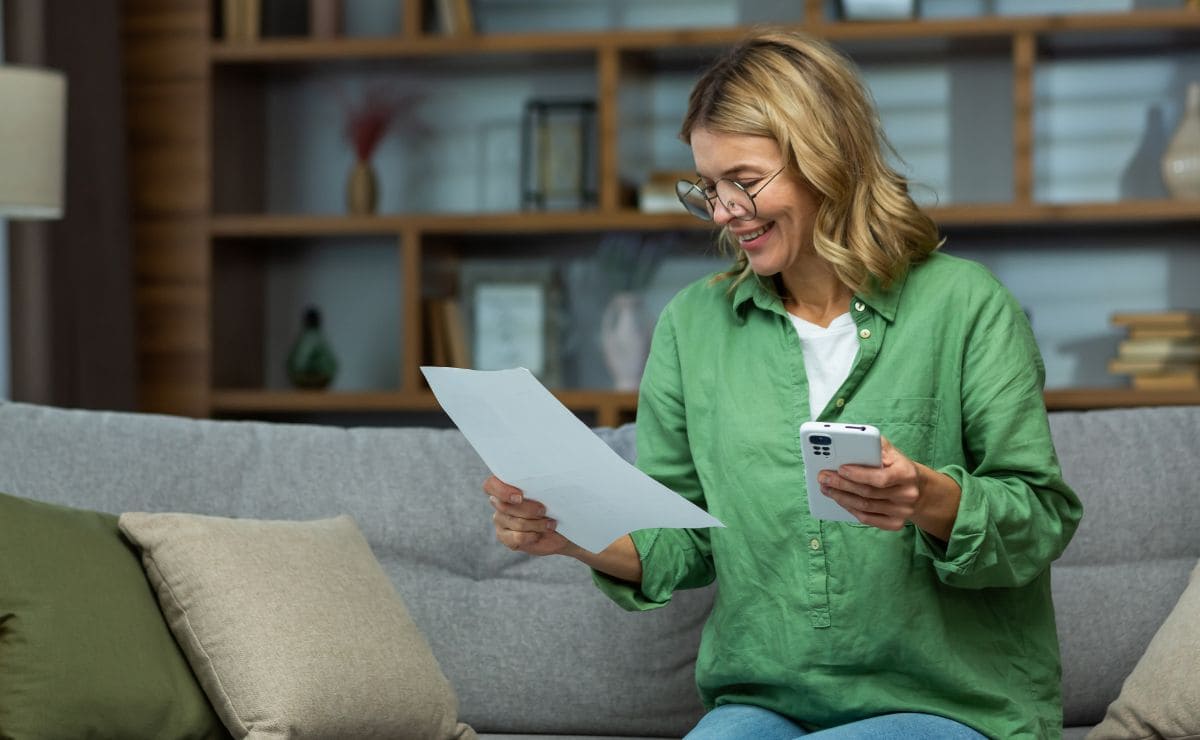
(727, 174)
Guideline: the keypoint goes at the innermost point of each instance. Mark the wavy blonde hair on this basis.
(807, 97)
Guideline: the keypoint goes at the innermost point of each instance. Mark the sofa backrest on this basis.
(1135, 471)
(519, 638)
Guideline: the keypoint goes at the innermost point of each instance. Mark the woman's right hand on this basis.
(521, 523)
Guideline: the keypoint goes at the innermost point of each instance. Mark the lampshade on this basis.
(32, 135)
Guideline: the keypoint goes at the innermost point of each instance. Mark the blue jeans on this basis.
(731, 721)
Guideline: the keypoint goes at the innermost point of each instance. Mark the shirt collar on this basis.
(756, 289)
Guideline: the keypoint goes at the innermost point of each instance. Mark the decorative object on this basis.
(513, 309)
(627, 266)
(558, 170)
(367, 122)
(1181, 162)
(271, 614)
(311, 364)
(242, 20)
(325, 18)
(878, 10)
(32, 136)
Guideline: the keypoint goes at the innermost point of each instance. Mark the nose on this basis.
(721, 213)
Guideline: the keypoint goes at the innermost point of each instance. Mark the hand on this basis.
(521, 523)
(894, 493)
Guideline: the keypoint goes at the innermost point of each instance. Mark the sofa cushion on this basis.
(1161, 697)
(293, 628)
(83, 647)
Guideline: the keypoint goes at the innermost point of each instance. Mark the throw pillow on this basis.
(84, 649)
(1161, 697)
(294, 629)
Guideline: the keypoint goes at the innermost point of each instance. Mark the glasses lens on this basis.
(735, 200)
(693, 200)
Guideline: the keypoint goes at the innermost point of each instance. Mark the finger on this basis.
(498, 489)
(527, 509)
(520, 524)
(866, 475)
(517, 540)
(837, 481)
(875, 512)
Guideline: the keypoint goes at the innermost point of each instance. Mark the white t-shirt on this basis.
(828, 356)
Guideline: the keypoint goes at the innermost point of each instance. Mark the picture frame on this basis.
(513, 312)
(558, 158)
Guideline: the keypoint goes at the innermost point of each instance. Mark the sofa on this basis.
(527, 646)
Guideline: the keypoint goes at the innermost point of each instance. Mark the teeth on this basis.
(752, 235)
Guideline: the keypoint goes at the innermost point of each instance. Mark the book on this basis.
(657, 194)
(458, 350)
(1179, 319)
(1185, 380)
(455, 17)
(1121, 366)
(1159, 348)
(1152, 331)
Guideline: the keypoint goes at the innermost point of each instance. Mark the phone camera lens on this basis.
(820, 439)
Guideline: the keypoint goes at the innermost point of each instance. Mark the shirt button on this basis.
(860, 306)
(840, 402)
(865, 334)
(815, 544)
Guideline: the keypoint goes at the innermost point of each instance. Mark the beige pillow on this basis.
(293, 628)
(1161, 697)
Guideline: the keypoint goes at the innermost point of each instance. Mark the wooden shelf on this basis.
(301, 49)
(1112, 398)
(983, 215)
(614, 403)
(609, 407)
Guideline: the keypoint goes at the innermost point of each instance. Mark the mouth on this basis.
(751, 239)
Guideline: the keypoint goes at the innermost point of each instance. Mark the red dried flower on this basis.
(368, 119)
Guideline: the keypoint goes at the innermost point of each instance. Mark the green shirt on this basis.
(831, 622)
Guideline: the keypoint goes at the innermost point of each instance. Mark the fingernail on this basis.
(550, 524)
(824, 479)
(494, 500)
(514, 499)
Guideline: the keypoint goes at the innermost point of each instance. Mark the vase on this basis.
(361, 189)
(625, 340)
(1181, 162)
(311, 364)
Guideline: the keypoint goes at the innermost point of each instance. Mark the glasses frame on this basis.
(684, 187)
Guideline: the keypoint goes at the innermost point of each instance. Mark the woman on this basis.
(929, 617)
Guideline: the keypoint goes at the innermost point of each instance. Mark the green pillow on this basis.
(84, 649)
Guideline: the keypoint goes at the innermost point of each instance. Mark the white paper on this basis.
(530, 440)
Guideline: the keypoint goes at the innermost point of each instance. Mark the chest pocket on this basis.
(911, 424)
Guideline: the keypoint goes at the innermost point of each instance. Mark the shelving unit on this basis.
(198, 217)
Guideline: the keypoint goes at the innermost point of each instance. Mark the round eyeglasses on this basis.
(699, 199)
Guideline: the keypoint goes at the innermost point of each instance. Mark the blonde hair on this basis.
(807, 97)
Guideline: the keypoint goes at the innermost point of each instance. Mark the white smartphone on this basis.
(828, 446)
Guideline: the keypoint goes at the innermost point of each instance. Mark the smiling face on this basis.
(780, 236)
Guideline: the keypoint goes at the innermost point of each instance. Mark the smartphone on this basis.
(828, 446)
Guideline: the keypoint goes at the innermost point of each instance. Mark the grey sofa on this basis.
(529, 645)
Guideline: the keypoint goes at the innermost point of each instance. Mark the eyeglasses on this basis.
(699, 199)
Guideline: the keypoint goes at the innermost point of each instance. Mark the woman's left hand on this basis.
(898, 491)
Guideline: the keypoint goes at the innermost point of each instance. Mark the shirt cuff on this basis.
(957, 556)
(657, 551)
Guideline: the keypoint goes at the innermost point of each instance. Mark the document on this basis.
(530, 440)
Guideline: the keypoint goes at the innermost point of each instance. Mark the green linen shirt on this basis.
(831, 622)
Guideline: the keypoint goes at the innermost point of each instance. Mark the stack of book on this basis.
(657, 193)
(1161, 351)
(445, 334)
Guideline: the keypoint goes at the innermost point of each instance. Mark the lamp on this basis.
(32, 134)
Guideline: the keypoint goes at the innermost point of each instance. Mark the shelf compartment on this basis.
(959, 216)
(260, 289)
(271, 50)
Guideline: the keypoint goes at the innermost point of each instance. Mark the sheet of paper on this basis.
(530, 440)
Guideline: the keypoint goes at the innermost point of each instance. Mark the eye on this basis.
(747, 184)
(710, 191)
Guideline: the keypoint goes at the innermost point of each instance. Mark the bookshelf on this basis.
(199, 112)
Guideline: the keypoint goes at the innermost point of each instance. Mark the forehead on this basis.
(718, 153)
